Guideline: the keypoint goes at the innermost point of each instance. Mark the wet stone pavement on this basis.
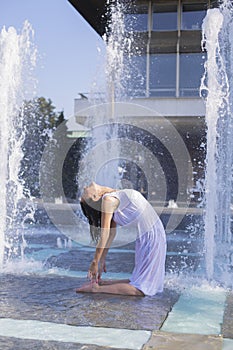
(227, 326)
(53, 299)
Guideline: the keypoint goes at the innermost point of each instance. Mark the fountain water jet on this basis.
(115, 72)
(17, 56)
(103, 125)
(217, 31)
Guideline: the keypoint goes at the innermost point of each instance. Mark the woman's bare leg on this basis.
(117, 288)
(108, 282)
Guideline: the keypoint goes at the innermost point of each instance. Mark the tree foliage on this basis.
(40, 121)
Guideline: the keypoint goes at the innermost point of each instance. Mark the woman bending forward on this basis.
(105, 208)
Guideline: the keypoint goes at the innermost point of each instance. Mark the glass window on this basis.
(192, 16)
(162, 74)
(164, 17)
(135, 77)
(138, 20)
(191, 72)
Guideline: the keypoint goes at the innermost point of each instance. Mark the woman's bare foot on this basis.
(91, 287)
(116, 288)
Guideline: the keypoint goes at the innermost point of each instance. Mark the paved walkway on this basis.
(46, 313)
(52, 299)
(43, 311)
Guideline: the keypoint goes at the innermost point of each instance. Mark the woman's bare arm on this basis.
(109, 204)
(102, 264)
(112, 235)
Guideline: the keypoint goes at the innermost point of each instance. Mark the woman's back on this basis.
(134, 209)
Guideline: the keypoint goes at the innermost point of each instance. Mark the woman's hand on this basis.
(102, 268)
(93, 271)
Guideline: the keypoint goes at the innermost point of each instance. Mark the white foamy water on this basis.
(218, 182)
(17, 58)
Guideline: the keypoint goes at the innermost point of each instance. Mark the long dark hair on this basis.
(92, 212)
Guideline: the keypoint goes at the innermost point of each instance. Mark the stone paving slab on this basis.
(227, 326)
(53, 298)
(176, 341)
(7, 343)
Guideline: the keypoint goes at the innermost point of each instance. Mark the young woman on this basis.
(106, 208)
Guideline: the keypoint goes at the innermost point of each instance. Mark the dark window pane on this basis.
(192, 16)
(137, 21)
(163, 75)
(135, 78)
(164, 17)
(191, 72)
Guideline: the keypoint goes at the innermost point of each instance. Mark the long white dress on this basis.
(150, 248)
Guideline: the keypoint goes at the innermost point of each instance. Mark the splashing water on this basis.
(118, 48)
(103, 150)
(16, 53)
(17, 59)
(217, 33)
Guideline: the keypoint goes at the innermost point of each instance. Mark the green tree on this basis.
(40, 120)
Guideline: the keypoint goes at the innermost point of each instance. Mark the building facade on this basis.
(166, 69)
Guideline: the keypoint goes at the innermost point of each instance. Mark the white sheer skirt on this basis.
(150, 255)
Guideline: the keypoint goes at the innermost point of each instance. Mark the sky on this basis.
(70, 52)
